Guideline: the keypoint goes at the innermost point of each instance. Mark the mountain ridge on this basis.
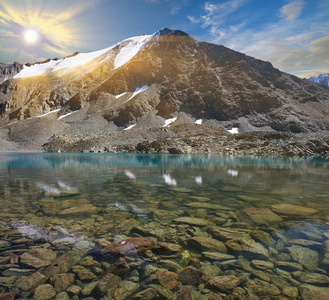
(143, 81)
(322, 79)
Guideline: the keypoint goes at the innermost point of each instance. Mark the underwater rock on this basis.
(129, 246)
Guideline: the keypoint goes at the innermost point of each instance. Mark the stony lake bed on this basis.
(102, 226)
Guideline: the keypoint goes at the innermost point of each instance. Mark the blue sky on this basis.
(292, 34)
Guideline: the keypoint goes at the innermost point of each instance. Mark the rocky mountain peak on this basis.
(168, 32)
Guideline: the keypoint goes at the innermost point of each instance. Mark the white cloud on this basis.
(292, 11)
(193, 19)
(292, 44)
(216, 15)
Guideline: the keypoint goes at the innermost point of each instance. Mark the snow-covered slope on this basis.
(127, 52)
(135, 44)
(322, 79)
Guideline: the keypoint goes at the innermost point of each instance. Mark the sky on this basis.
(292, 34)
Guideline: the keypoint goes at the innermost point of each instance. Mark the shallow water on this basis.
(82, 202)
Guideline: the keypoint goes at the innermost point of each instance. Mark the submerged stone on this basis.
(190, 276)
(223, 283)
(290, 210)
(38, 258)
(165, 278)
(314, 278)
(225, 234)
(259, 216)
(129, 246)
(30, 283)
(83, 273)
(62, 281)
(249, 247)
(125, 290)
(310, 292)
(207, 244)
(108, 283)
(192, 221)
(85, 209)
(217, 256)
(44, 292)
(307, 257)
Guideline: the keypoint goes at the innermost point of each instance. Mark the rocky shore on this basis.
(192, 139)
(77, 249)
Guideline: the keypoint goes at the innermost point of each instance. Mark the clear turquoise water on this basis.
(128, 191)
(103, 179)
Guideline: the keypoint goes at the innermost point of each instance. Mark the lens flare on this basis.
(31, 36)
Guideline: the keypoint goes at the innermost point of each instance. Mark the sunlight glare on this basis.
(31, 36)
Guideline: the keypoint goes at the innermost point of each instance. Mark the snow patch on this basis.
(199, 121)
(55, 65)
(118, 96)
(135, 45)
(169, 121)
(137, 91)
(64, 116)
(234, 130)
(131, 126)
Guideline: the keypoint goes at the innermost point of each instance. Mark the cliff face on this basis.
(146, 80)
(8, 72)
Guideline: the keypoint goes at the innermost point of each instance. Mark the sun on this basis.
(31, 36)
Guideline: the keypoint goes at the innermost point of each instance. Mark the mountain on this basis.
(164, 92)
(321, 79)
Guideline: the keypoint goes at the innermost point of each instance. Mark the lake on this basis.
(126, 226)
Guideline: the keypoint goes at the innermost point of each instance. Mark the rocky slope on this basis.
(156, 87)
